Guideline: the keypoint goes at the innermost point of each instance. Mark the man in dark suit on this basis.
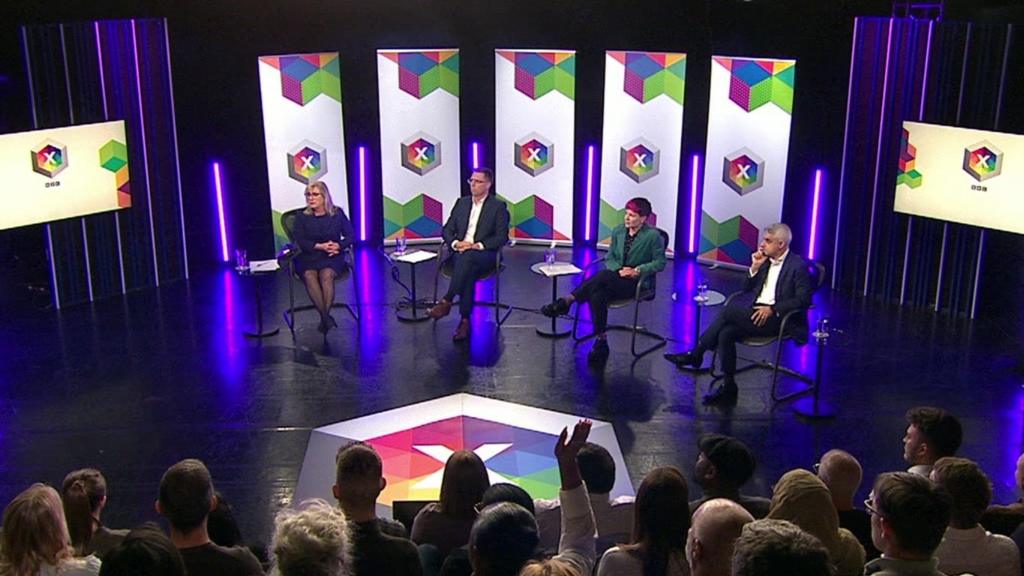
(782, 284)
(475, 231)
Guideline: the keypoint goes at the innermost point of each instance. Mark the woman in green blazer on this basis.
(637, 251)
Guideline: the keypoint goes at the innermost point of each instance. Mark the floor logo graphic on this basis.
(983, 161)
(49, 158)
(743, 171)
(421, 153)
(515, 442)
(639, 160)
(534, 154)
(307, 162)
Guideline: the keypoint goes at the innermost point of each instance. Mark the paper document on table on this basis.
(263, 266)
(559, 269)
(415, 257)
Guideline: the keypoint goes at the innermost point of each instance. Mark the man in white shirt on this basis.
(932, 433)
(781, 284)
(967, 546)
(475, 231)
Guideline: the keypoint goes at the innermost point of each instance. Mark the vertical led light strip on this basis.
(177, 159)
(106, 116)
(145, 154)
(878, 157)
(694, 172)
(588, 221)
(814, 214)
(362, 193)
(842, 169)
(217, 186)
(476, 155)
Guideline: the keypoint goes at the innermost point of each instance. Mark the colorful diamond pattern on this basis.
(534, 154)
(908, 173)
(538, 73)
(114, 157)
(651, 74)
(639, 160)
(421, 153)
(743, 171)
(533, 218)
(754, 83)
(421, 217)
(421, 73)
(306, 76)
(731, 241)
(307, 162)
(49, 158)
(983, 161)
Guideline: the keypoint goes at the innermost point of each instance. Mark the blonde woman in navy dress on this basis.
(323, 232)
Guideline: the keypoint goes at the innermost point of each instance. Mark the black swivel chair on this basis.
(817, 279)
(445, 267)
(288, 224)
(646, 289)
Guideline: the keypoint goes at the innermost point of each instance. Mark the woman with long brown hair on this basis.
(446, 524)
(84, 493)
(35, 540)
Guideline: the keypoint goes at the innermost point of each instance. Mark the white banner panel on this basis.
(302, 124)
(642, 141)
(535, 110)
(960, 175)
(63, 173)
(419, 140)
(748, 147)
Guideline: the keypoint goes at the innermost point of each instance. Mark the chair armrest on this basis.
(786, 317)
(592, 264)
(733, 296)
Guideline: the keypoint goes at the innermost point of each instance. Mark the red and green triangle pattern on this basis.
(731, 241)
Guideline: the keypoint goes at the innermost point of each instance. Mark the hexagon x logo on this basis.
(307, 162)
(743, 171)
(49, 158)
(983, 161)
(534, 154)
(421, 153)
(639, 160)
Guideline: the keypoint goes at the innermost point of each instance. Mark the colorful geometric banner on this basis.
(419, 140)
(302, 124)
(535, 132)
(749, 121)
(642, 142)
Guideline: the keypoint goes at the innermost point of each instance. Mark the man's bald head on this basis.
(841, 472)
(714, 529)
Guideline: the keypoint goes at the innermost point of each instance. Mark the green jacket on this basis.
(647, 253)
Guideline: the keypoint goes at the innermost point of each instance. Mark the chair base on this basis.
(659, 340)
(776, 369)
(501, 311)
(289, 315)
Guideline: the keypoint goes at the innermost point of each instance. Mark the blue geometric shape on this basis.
(390, 228)
(425, 227)
(642, 65)
(297, 68)
(416, 62)
(749, 72)
(535, 228)
(737, 250)
(533, 63)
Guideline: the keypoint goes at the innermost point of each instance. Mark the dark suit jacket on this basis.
(792, 292)
(491, 228)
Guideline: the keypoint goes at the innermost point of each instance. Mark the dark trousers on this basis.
(600, 289)
(467, 268)
(731, 325)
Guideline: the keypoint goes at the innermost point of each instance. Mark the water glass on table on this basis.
(401, 243)
(241, 260)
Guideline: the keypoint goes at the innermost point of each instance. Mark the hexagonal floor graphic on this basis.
(515, 442)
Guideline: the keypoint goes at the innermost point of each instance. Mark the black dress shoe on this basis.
(685, 359)
(461, 331)
(725, 395)
(555, 309)
(323, 327)
(331, 323)
(599, 349)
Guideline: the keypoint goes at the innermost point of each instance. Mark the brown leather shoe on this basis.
(440, 310)
(462, 332)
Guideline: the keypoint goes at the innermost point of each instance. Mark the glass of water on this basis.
(549, 256)
(400, 245)
(241, 259)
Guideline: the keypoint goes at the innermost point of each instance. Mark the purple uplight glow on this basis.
(476, 155)
(694, 172)
(590, 192)
(814, 214)
(362, 193)
(220, 211)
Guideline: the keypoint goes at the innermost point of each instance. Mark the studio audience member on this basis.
(145, 551)
(967, 546)
(504, 537)
(35, 539)
(778, 548)
(661, 521)
(446, 524)
(359, 480)
(614, 517)
(1005, 519)
(186, 498)
(842, 474)
(932, 433)
(715, 526)
(908, 518)
(312, 541)
(457, 563)
(723, 466)
(803, 499)
(84, 493)
(224, 531)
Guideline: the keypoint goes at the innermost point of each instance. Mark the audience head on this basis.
(221, 524)
(463, 484)
(186, 495)
(661, 516)
(507, 492)
(932, 433)
(84, 493)
(842, 474)
(909, 515)
(724, 463)
(359, 476)
(714, 528)
(968, 487)
(1019, 474)
(802, 498)
(778, 548)
(503, 539)
(34, 533)
(145, 551)
(312, 541)
(549, 567)
(597, 468)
